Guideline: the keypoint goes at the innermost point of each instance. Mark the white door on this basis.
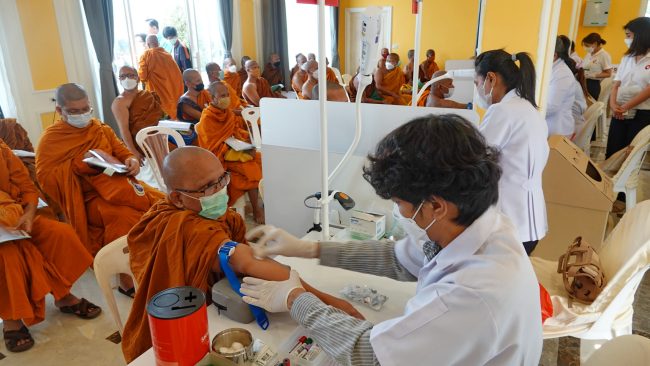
(353, 35)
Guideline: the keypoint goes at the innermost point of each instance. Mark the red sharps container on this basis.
(178, 321)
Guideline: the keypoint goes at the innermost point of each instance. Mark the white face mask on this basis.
(129, 84)
(449, 93)
(232, 68)
(484, 101)
(412, 229)
(389, 66)
(173, 40)
(79, 120)
(589, 49)
(315, 74)
(628, 42)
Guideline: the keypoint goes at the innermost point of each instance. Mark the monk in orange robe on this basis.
(197, 98)
(389, 80)
(408, 69)
(243, 74)
(177, 242)
(428, 67)
(300, 59)
(100, 207)
(161, 74)
(311, 69)
(370, 93)
(299, 78)
(438, 94)
(48, 262)
(273, 70)
(256, 87)
(331, 75)
(135, 109)
(231, 76)
(217, 124)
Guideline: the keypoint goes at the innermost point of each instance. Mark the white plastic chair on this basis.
(627, 178)
(337, 72)
(605, 91)
(628, 350)
(252, 116)
(153, 141)
(112, 259)
(592, 115)
(346, 79)
(624, 257)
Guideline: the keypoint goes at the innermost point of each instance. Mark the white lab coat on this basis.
(561, 96)
(518, 130)
(579, 107)
(476, 303)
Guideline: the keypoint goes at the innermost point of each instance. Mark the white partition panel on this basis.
(291, 160)
(464, 92)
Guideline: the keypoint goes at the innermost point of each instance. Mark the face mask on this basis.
(589, 49)
(232, 68)
(173, 40)
(315, 74)
(484, 101)
(199, 87)
(449, 93)
(79, 120)
(277, 64)
(221, 74)
(129, 84)
(223, 103)
(389, 66)
(412, 229)
(213, 206)
(628, 42)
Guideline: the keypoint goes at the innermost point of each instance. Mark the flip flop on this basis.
(12, 337)
(84, 309)
(130, 292)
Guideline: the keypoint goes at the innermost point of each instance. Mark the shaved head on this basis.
(309, 66)
(335, 92)
(393, 57)
(431, 53)
(274, 57)
(190, 74)
(218, 89)
(301, 59)
(152, 41)
(127, 69)
(69, 93)
(190, 168)
(244, 60)
(212, 66)
(227, 62)
(311, 57)
(251, 64)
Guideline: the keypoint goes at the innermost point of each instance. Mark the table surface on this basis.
(327, 279)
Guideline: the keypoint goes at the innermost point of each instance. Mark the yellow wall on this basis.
(565, 17)
(452, 35)
(42, 41)
(247, 28)
(47, 119)
(620, 12)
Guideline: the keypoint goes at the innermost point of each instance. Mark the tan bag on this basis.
(581, 272)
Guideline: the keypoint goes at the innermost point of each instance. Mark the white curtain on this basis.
(7, 103)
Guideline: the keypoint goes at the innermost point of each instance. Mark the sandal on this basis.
(84, 309)
(12, 337)
(130, 292)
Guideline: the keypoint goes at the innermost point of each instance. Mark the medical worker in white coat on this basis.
(505, 85)
(561, 93)
(477, 298)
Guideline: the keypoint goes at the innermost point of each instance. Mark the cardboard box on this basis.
(367, 226)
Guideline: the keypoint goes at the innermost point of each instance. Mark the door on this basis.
(353, 35)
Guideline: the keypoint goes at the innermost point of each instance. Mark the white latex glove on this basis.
(269, 240)
(270, 295)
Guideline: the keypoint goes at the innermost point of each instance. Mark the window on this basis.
(647, 10)
(302, 30)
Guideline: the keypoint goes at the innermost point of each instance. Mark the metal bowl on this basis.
(227, 337)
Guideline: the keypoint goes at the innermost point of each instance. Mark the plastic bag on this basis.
(547, 304)
(364, 295)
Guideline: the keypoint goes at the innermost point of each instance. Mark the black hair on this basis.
(521, 78)
(573, 46)
(594, 38)
(641, 42)
(437, 155)
(169, 32)
(152, 23)
(142, 36)
(562, 45)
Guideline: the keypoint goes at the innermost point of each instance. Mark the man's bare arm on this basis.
(250, 91)
(120, 109)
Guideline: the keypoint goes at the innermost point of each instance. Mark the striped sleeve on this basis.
(344, 338)
(373, 257)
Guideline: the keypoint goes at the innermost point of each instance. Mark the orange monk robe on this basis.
(331, 76)
(215, 127)
(273, 74)
(422, 101)
(168, 248)
(49, 262)
(145, 111)
(393, 81)
(243, 75)
(298, 82)
(205, 98)
(100, 208)
(263, 90)
(427, 69)
(234, 80)
(161, 74)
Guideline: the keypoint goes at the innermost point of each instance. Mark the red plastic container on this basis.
(178, 321)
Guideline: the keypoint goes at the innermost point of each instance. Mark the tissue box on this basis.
(367, 226)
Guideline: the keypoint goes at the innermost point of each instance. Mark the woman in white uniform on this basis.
(477, 298)
(561, 93)
(597, 63)
(630, 98)
(505, 85)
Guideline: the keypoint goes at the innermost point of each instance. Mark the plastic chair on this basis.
(624, 257)
(112, 259)
(252, 116)
(337, 72)
(628, 350)
(627, 178)
(346, 79)
(592, 115)
(605, 91)
(153, 141)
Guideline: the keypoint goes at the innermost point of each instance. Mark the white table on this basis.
(327, 279)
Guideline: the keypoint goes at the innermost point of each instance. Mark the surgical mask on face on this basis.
(198, 87)
(213, 206)
(628, 42)
(484, 101)
(277, 64)
(232, 68)
(389, 65)
(129, 84)
(589, 49)
(449, 93)
(79, 120)
(223, 103)
(173, 40)
(412, 229)
(315, 74)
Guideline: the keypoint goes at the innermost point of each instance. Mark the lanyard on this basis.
(224, 254)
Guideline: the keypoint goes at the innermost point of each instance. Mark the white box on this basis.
(367, 226)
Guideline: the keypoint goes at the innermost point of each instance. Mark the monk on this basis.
(331, 75)
(217, 124)
(300, 59)
(161, 74)
(195, 99)
(231, 76)
(428, 67)
(273, 71)
(370, 93)
(335, 92)
(243, 74)
(135, 109)
(408, 69)
(311, 57)
(214, 71)
(256, 87)
(50, 261)
(299, 78)
(100, 207)
(389, 80)
(439, 93)
(177, 242)
(311, 68)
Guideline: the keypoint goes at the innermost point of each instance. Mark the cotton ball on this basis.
(236, 346)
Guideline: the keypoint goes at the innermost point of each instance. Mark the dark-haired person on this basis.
(153, 28)
(561, 93)
(505, 85)
(180, 52)
(597, 63)
(580, 93)
(476, 301)
(574, 55)
(630, 98)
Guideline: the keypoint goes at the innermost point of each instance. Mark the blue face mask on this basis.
(213, 206)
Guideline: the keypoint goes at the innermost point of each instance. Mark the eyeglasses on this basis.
(211, 188)
(130, 76)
